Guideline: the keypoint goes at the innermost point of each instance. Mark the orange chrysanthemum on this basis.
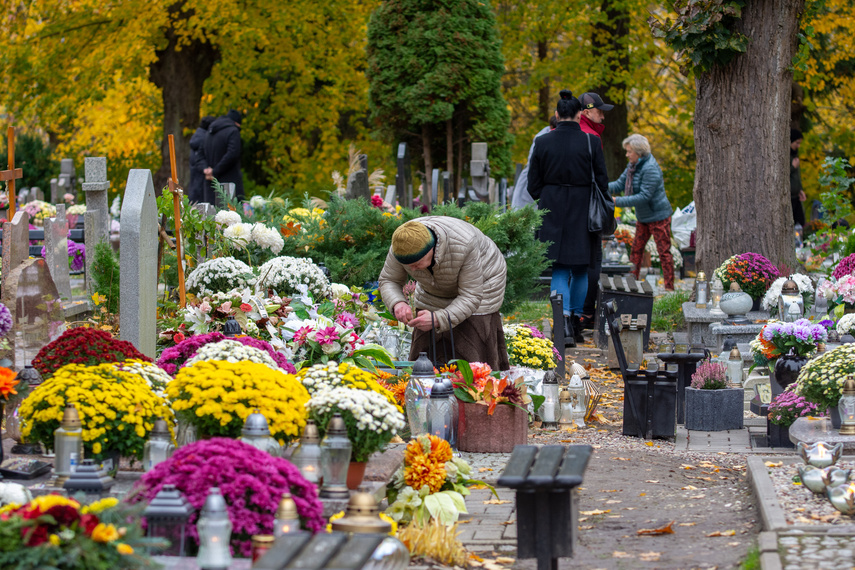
(424, 470)
(7, 383)
(440, 450)
(398, 390)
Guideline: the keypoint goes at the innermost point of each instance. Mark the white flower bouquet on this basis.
(334, 375)
(770, 299)
(846, 324)
(217, 275)
(285, 274)
(209, 313)
(232, 351)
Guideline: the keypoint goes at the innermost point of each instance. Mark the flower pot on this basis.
(499, 433)
(355, 474)
(111, 457)
(778, 436)
(714, 410)
(834, 412)
(787, 370)
(755, 305)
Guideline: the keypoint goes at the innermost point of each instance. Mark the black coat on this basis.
(222, 153)
(559, 177)
(198, 164)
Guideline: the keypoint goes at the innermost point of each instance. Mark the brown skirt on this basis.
(480, 338)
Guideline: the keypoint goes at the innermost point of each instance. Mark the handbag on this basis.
(601, 211)
(433, 339)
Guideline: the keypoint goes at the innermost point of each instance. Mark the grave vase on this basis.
(355, 474)
(787, 370)
(480, 432)
(778, 436)
(755, 305)
(834, 413)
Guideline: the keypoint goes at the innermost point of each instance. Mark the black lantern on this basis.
(231, 328)
(88, 478)
(167, 515)
(29, 375)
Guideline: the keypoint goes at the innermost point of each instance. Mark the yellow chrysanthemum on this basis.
(54, 539)
(424, 470)
(124, 548)
(105, 533)
(102, 505)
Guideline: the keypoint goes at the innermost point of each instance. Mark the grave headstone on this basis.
(138, 263)
(36, 193)
(503, 193)
(357, 182)
(434, 186)
(479, 170)
(390, 195)
(55, 197)
(447, 189)
(95, 188)
(93, 234)
(56, 251)
(67, 178)
(403, 180)
(16, 243)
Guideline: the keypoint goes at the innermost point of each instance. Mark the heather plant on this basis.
(788, 406)
(710, 375)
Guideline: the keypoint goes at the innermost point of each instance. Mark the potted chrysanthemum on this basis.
(821, 379)
(784, 410)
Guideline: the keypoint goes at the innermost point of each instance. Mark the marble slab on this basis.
(811, 430)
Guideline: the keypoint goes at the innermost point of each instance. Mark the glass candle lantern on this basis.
(363, 516)
(417, 394)
(716, 291)
(256, 432)
(166, 517)
(440, 414)
(734, 368)
(565, 402)
(701, 291)
(455, 407)
(231, 328)
(549, 409)
(287, 519)
(67, 445)
(613, 252)
(791, 305)
(846, 407)
(578, 398)
(307, 456)
(158, 447)
(215, 532)
(335, 460)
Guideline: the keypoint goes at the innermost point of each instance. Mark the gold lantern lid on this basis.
(735, 354)
(310, 433)
(735, 288)
(287, 508)
(701, 276)
(337, 426)
(565, 396)
(70, 417)
(362, 516)
(790, 287)
(849, 386)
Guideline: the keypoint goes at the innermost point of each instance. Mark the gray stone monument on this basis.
(434, 187)
(503, 193)
(56, 252)
(55, 197)
(357, 182)
(403, 179)
(16, 243)
(447, 187)
(36, 194)
(390, 195)
(95, 188)
(479, 170)
(93, 234)
(138, 287)
(67, 177)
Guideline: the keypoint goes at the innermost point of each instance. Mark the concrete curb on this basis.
(767, 543)
(770, 510)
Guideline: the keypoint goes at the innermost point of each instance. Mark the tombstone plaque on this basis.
(16, 243)
(56, 252)
(403, 181)
(67, 178)
(447, 190)
(95, 188)
(434, 186)
(357, 182)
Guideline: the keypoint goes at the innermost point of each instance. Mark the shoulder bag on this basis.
(601, 211)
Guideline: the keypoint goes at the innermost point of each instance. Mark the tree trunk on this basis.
(449, 158)
(544, 105)
(610, 42)
(742, 126)
(426, 190)
(180, 74)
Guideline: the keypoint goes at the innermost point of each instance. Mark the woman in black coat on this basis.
(560, 178)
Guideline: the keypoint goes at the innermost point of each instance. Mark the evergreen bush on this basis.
(105, 275)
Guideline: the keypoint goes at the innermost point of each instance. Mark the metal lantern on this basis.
(613, 252)
(440, 412)
(455, 407)
(159, 446)
(287, 518)
(215, 533)
(578, 397)
(363, 516)
(231, 328)
(89, 479)
(256, 432)
(701, 291)
(716, 291)
(29, 375)
(167, 516)
(565, 401)
(549, 410)
(307, 456)
(417, 394)
(335, 460)
(67, 445)
(846, 407)
(734, 368)
(791, 305)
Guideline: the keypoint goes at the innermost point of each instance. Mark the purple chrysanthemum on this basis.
(174, 357)
(5, 320)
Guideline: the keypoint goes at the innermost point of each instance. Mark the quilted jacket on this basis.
(467, 277)
(648, 191)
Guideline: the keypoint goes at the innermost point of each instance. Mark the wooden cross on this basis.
(9, 176)
(176, 202)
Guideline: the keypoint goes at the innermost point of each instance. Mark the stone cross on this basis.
(138, 263)
(403, 181)
(357, 182)
(56, 251)
(93, 234)
(11, 174)
(95, 188)
(479, 169)
(16, 243)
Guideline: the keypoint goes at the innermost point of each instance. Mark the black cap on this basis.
(795, 135)
(234, 116)
(593, 101)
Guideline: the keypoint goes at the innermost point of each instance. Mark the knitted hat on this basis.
(235, 116)
(411, 242)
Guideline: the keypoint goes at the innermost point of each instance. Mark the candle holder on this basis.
(819, 480)
(819, 454)
(842, 498)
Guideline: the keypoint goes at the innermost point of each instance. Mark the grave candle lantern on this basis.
(716, 291)
(842, 498)
(166, 516)
(215, 532)
(231, 328)
(565, 401)
(440, 413)
(159, 446)
(791, 306)
(701, 290)
(846, 407)
(307, 456)
(90, 479)
(734, 368)
(363, 516)
(67, 444)
(549, 409)
(335, 459)
(256, 432)
(287, 519)
(578, 396)
(417, 394)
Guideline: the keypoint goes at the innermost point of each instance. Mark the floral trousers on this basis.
(661, 232)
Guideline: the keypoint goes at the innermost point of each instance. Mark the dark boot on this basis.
(576, 324)
(569, 338)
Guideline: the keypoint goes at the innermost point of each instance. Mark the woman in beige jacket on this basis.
(460, 276)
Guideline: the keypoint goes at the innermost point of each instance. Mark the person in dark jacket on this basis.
(196, 190)
(644, 189)
(222, 153)
(560, 178)
(797, 193)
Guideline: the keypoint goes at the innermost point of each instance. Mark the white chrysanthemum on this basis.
(227, 218)
(284, 275)
(340, 291)
(770, 299)
(372, 411)
(257, 202)
(846, 324)
(155, 376)
(216, 275)
(268, 238)
(232, 351)
(239, 233)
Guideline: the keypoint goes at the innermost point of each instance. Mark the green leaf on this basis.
(464, 396)
(465, 370)
(376, 352)
(537, 400)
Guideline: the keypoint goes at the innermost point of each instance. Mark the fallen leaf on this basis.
(648, 443)
(594, 512)
(649, 556)
(609, 491)
(723, 533)
(642, 494)
(475, 557)
(621, 459)
(588, 360)
(464, 521)
(651, 481)
(772, 464)
(621, 554)
(697, 496)
(508, 522)
(689, 488)
(482, 469)
(496, 502)
(586, 527)
(686, 466)
(505, 560)
(733, 544)
(687, 524)
(655, 531)
(612, 502)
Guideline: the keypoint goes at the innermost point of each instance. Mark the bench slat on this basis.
(516, 470)
(283, 550)
(546, 466)
(574, 465)
(319, 551)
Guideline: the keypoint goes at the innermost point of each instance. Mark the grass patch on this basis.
(530, 312)
(668, 311)
(751, 560)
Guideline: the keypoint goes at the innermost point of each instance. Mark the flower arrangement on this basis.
(752, 271)
(258, 234)
(821, 379)
(52, 531)
(710, 375)
(257, 314)
(155, 376)
(476, 383)
(845, 266)
(220, 274)
(232, 351)
(528, 347)
(371, 420)
(321, 340)
(846, 324)
(801, 337)
(840, 294)
(174, 357)
(39, 211)
(117, 408)
(770, 299)
(788, 406)
(76, 210)
(251, 481)
(83, 345)
(344, 375)
(396, 385)
(284, 274)
(431, 483)
(216, 397)
(762, 351)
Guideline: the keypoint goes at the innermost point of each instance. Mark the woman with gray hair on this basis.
(644, 190)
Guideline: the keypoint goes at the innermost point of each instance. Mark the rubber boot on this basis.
(569, 337)
(576, 324)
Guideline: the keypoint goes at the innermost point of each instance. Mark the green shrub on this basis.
(105, 275)
(668, 311)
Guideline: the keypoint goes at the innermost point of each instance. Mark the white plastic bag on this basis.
(683, 223)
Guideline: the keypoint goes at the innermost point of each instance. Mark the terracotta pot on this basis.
(480, 432)
(355, 474)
